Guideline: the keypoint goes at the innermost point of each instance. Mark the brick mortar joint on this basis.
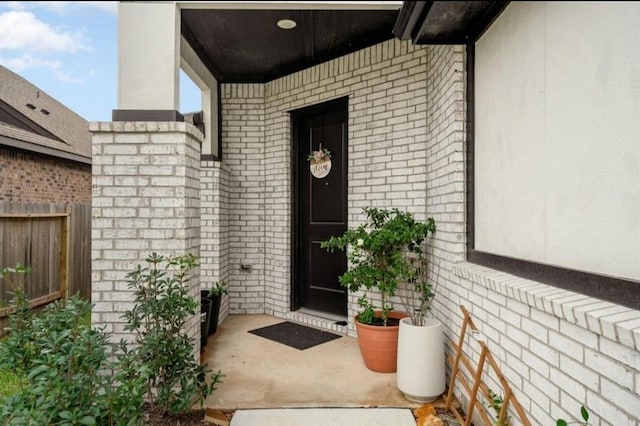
(155, 127)
(501, 282)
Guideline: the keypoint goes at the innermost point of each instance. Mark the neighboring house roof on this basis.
(32, 120)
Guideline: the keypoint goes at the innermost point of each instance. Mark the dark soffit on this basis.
(446, 22)
(246, 46)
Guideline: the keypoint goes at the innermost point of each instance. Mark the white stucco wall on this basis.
(148, 56)
(557, 176)
(202, 77)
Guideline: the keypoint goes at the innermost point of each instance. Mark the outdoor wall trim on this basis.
(146, 115)
(209, 157)
(616, 290)
(145, 127)
(607, 319)
(39, 149)
(289, 5)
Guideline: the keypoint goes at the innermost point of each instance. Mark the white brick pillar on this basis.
(146, 198)
(214, 232)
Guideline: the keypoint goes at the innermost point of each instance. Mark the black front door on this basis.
(321, 207)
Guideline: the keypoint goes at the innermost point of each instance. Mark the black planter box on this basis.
(205, 309)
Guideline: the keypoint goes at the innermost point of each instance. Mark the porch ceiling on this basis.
(246, 45)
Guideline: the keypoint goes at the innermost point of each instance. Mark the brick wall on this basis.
(445, 150)
(26, 177)
(386, 86)
(386, 89)
(146, 198)
(557, 349)
(243, 148)
(214, 234)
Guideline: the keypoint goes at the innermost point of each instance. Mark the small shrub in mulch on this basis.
(63, 360)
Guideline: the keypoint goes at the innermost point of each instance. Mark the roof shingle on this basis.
(48, 113)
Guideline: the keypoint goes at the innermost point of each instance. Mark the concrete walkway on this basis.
(260, 373)
(324, 417)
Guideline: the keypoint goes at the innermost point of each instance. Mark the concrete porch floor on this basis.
(260, 373)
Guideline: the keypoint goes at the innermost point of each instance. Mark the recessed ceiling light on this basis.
(286, 24)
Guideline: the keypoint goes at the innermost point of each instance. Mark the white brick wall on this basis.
(557, 349)
(146, 198)
(556, 363)
(386, 86)
(214, 232)
(243, 152)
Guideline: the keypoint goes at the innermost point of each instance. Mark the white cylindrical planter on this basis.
(421, 360)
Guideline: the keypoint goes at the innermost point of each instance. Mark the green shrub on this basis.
(20, 322)
(66, 367)
(72, 374)
(174, 380)
(383, 253)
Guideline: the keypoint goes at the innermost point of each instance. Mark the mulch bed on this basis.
(191, 418)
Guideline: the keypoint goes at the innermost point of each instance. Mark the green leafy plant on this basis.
(584, 413)
(381, 254)
(18, 349)
(416, 291)
(10, 383)
(367, 315)
(174, 380)
(496, 404)
(218, 288)
(65, 367)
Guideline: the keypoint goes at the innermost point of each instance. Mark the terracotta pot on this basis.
(379, 345)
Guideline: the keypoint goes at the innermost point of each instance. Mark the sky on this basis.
(69, 50)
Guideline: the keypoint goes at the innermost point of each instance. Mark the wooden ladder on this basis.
(462, 368)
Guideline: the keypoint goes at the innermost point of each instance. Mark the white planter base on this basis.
(421, 360)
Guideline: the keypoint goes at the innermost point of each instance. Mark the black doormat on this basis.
(294, 335)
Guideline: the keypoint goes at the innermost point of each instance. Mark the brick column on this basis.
(214, 232)
(146, 198)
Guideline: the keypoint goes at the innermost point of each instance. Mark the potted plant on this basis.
(377, 262)
(205, 312)
(215, 294)
(421, 352)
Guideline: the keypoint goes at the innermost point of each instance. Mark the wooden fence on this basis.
(55, 241)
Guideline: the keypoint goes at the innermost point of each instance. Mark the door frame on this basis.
(295, 116)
